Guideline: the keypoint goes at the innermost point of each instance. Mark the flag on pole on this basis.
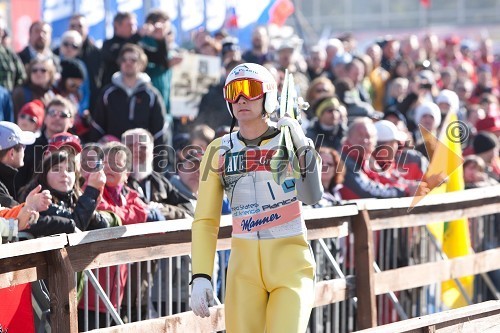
(453, 235)
(280, 11)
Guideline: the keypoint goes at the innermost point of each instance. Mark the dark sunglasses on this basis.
(72, 45)
(60, 114)
(64, 139)
(27, 117)
(39, 69)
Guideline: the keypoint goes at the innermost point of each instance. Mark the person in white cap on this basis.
(447, 101)
(427, 116)
(361, 179)
(12, 144)
(13, 141)
(397, 163)
(388, 140)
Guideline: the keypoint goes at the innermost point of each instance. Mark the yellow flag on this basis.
(453, 235)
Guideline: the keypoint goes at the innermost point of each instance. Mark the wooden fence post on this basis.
(62, 287)
(365, 275)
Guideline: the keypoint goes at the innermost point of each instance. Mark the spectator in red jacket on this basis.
(360, 180)
(118, 198)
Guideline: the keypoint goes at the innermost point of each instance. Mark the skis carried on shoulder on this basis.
(284, 162)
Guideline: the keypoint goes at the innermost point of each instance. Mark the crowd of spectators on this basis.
(379, 109)
(106, 151)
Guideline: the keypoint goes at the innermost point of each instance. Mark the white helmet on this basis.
(258, 73)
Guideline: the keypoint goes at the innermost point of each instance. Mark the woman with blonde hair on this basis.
(42, 74)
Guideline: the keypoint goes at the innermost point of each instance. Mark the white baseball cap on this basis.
(387, 131)
(11, 135)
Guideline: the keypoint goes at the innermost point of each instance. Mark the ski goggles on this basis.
(249, 88)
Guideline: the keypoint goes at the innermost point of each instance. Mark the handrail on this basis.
(32, 246)
(466, 319)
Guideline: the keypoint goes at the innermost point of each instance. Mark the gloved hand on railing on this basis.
(202, 296)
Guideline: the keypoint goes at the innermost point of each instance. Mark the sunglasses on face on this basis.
(28, 117)
(64, 139)
(249, 88)
(39, 69)
(60, 114)
(75, 26)
(72, 45)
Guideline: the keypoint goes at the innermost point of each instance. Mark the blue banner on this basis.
(238, 17)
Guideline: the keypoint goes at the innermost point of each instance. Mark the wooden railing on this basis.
(482, 317)
(57, 258)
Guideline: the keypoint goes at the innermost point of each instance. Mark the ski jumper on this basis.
(270, 283)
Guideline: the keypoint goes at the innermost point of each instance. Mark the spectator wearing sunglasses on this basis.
(41, 77)
(79, 92)
(59, 118)
(31, 116)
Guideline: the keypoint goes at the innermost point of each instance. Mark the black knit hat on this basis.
(484, 141)
(72, 69)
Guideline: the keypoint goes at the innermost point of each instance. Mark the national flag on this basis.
(454, 235)
(231, 18)
(280, 11)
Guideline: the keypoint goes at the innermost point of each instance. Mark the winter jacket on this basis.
(158, 188)
(326, 138)
(7, 187)
(121, 108)
(360, 182)
(131, 209)
(33, 156)
(65, 214)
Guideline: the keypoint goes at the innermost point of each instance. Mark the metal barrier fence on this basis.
(395, 240)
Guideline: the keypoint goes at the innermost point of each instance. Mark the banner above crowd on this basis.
(238, 17)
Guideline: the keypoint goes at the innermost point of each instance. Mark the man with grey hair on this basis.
(154, 188)
(360, 181)
(316, 62)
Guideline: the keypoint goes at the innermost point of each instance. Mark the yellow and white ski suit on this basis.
(270, 283)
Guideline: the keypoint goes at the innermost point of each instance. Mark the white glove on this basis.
(298, 137)
(202, 296)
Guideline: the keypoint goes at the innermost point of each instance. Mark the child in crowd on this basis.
(31, 116)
